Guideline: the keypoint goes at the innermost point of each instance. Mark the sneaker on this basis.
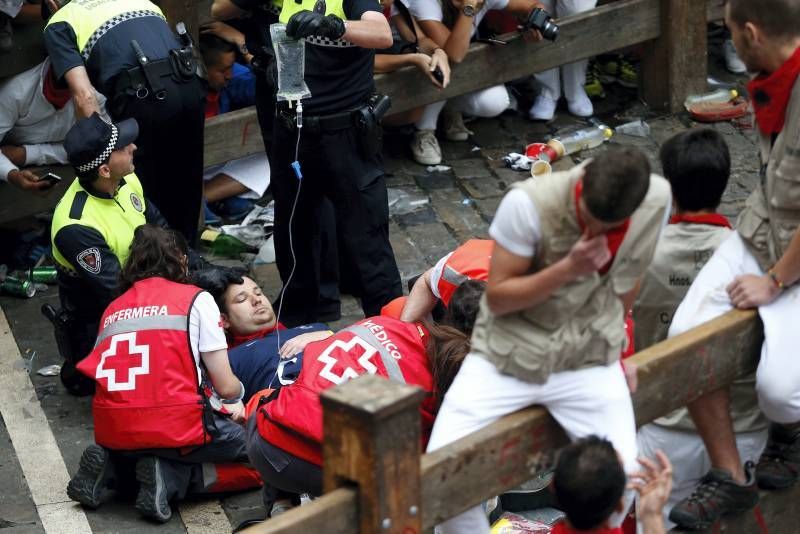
(209, 216)
(6, 33)
(619, 70)
(593, 86)
(581, 106)
(454, 129)
(425, 148)
(732, 61)
(779, 464)
(152, 500)
(93, 484)
(235, 208)
(280, 506)
(716, 495)
(543, 109)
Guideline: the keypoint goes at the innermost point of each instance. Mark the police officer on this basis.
(92, 230)
(126, 50)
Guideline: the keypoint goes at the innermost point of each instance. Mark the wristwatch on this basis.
(468, 10)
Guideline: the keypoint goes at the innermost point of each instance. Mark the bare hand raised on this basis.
(588, 255)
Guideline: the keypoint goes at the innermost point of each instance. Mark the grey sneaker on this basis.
(732, 61)
(152, 500)
(425, 148)
(454, 128)
(717, 495)
(779, 464)
(93, 484)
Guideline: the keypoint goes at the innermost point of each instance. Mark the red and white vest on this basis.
(381, 346)
(470, 261)
(148, 391)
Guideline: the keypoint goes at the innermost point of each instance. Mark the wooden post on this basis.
(676, 64)
(372, 439)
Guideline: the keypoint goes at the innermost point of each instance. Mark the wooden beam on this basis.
(232, 135)
(333, 513)
(372, 439)
(676, 64)
(507, 453)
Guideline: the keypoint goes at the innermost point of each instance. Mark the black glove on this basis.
(216, 279)
(306, 23)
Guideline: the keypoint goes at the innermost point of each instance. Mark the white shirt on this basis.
(432, 10)
(27, 119)
(205, 328)
(516, 225)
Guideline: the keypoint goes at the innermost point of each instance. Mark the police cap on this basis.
(90, 141)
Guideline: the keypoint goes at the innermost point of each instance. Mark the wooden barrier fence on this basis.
(375, 480)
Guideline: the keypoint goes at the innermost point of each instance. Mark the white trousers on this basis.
(486, 103)
(778, 374)
(251, 171)
(588, 401)
(690, 461)
(573, 75)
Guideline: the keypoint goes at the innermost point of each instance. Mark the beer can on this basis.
(18, 288)
(43, 275)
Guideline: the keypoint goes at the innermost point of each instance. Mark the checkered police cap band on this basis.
(96, 162)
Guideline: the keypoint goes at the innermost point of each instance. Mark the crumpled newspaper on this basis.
(518, 162)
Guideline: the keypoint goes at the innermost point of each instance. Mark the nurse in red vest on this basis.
(285, 433)
(164, 394)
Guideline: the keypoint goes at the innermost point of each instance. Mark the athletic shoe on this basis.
(454, 129)
(581, 106)
(732, 61)
(619, 70)
(717, 495)
(280, 506)
(152, 500)
(593, 86)
(425, 148)
(779, 464)
(543, 109)
(75, 382)
(93, 484)
(234, 208)
(209, 216)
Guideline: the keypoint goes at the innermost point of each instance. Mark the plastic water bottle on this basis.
(583, 139)
(720, 96)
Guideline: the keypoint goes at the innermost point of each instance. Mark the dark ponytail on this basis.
(155, 251)
(446, 348)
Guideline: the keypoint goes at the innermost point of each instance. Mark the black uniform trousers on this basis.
(169, 154)
(333, 168)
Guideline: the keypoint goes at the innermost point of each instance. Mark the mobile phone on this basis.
(438, 75)
(50, 177)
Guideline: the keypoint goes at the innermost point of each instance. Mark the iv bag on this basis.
(290, 55)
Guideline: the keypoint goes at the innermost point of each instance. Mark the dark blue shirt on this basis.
(258, 365)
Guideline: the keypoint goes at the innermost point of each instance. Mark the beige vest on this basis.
(581, 324)
(772, 212)
(683, 250)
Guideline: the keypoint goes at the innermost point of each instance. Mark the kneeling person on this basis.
(165, 393)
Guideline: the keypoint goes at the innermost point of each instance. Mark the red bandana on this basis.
(57, 97)
(712, 219)
(770, 94)
(235, 341)
(212, 104)
(614, 236)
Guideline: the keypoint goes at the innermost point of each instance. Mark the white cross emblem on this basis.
(123, 362)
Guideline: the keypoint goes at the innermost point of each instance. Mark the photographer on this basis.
(452, 25)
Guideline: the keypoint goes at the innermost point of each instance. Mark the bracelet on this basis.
(780, 285)
(239, 398)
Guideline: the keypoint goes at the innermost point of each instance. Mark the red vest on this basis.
(470, 261)
(381, 346)
(148, 383)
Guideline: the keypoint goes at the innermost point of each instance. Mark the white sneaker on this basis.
(280, 506)
(425, 148)
(543, 109)
(581, 106)
(454, 129)
(732, 60)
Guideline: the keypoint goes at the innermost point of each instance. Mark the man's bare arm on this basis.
(83, 93)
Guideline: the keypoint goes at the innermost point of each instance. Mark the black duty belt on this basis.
(319, 123)
(177, 65)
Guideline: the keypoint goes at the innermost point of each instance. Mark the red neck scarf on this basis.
(57, 97)
(711, 219)
(770, 94)
(212, 104)
(235, 341)
(615, 236)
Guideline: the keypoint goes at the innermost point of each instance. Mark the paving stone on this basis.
(482, 188)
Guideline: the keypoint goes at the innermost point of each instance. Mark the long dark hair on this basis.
(155, 251)
(446, 348)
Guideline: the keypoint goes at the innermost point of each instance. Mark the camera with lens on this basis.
(541, 20)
